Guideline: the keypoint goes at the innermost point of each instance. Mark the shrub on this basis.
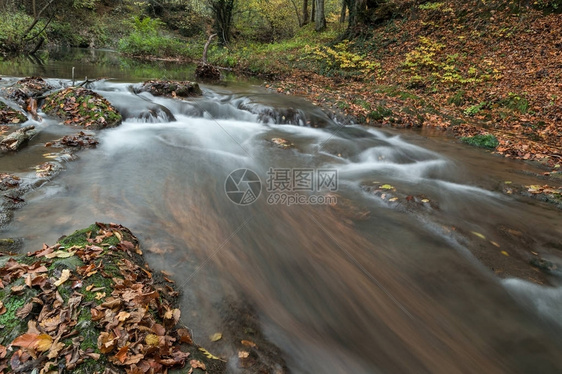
(483, 141)
(146, 39)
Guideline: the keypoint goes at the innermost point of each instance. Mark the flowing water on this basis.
(383, 281)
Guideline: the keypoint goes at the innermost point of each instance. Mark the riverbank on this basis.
(485, 74)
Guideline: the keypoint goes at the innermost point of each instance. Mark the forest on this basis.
(317, 186)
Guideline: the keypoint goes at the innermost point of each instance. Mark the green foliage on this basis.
(457, 99)
(147, 39)
(380, 113)
(13, 25)
(431, 6)
(516, 102)
(548, 4)
(87, 4)
(341, 60)
(483, 141)
(427, 64)
(475, 109)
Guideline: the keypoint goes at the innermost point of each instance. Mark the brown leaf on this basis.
(63, 278)
(33, 341)
(24, 311)
(197, 364)
(122, 354)
(185, 336)
(55, 350)
(248, 343)
(106, 342)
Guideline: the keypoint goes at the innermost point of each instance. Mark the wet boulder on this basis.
(10, 115)
(27, 91)
(80, 107)
(170, 88)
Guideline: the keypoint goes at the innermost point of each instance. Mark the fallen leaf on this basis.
(216, 337)
(207, 354)
(122, 354)
(243, 354)
(41, 342)
(63, 278)
(478, 235)
(248, 343)
(152, 340)
(196, 364)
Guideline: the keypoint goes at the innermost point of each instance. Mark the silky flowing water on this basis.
(366, 285)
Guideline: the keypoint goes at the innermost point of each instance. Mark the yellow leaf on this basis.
(208, 354)
(122, 316)
(478, 235)
(60, 254)
(63, 278)
(505, 253)
(44, 342)
(152, 340)
(216, 337)
(387, 187)
(425, 200)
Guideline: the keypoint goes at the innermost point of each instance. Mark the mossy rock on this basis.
(10, 115)
(171, 88)
(88, 304)
(80, 107)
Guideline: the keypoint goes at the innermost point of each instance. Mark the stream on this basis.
(383, 265)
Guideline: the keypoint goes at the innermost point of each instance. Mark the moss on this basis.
(79, 237)
(483, 141)
(82, 107)
(379, 113)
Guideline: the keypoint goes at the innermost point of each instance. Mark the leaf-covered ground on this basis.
(90, 304)
(471, 69)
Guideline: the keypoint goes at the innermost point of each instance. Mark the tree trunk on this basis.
(320, 16)
(222, 11)
(305, 15)
(297, 12)
(344, 7)
(313, 12)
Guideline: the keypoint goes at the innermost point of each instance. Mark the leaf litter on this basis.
(106, 314)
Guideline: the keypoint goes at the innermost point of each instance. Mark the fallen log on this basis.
(15, 140)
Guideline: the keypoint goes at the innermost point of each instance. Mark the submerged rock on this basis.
(171, 88)
(81, 107)
(80, 140)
